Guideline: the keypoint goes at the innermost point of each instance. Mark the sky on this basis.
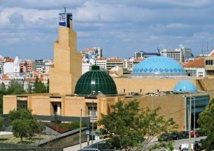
(28, 28)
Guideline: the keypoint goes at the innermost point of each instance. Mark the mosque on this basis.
(155, 82)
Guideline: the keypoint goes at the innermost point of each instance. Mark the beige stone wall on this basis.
(9, 103)
(67, 67)
(171, 106)
(146, 85)
(40, 104)
(60, 82)
(73, 106)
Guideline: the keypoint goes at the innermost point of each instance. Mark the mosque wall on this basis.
(60, 83)
(9, 103)
(171, 106)
(208, 84)
(67, 67)
(73, 106)
(143, 86)
(39, 104)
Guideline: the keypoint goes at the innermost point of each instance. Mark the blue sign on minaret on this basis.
(64, 19)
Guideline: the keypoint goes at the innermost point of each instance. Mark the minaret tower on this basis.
(67, 60)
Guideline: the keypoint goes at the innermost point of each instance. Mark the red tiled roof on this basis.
(8, 60)
(211, 53)
(5, 77)
(101, 58)
(114, 60)
(138, 59)
(30, 79)
(198, 63)
(58, 129)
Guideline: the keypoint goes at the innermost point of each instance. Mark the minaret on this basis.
(67, 66)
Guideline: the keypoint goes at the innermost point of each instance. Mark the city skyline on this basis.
(119, 28)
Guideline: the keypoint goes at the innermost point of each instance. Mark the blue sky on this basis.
(28, 28)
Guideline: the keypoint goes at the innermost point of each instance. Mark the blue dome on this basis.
(184, 86)
(158, 66)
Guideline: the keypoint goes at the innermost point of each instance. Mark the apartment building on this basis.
(114, 61)
(179, 54)
(27, 65)
(209, 64)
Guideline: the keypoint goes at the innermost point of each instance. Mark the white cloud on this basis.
(115, 26)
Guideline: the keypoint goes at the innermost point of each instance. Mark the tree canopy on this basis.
(39, 87)
(130, 126)
(1, 123)
(24, 123)
(206, 122)
(15, 87)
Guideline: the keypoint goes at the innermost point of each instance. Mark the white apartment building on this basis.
(180, 54)
(12, 66)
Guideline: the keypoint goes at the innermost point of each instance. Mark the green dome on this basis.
(95, 81)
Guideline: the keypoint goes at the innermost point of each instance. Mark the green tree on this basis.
(206, 122)
(1, 123)
(74, 125)
(2, 87)
(24, 123)
(15, 88)
(129, 126)
(1, 103)
(39, 87)
(48, 86)
(2, 92)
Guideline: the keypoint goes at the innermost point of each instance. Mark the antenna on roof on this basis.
(207, 48)
(158, 51)
(202, 48)
(64, 9)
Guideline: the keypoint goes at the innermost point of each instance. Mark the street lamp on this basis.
(190, 120)
(194, 118)
(190, 106)
(92, 121)
(80, 136)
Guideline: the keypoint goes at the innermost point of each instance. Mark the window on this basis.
(21, 104)
(56, 108)
(209, 62)
(92, 111)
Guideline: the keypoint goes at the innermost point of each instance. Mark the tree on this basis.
(74, 125)
(128, 126)
(1, 123)
(39, 87)
(1, 103)
(2, 92)
(206, 122)
(15, 87)
(2, 87)
(24, 123)
(48, 83)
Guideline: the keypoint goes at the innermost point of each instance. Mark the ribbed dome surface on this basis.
(184, 86)
(158, 66)
(95, 81)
